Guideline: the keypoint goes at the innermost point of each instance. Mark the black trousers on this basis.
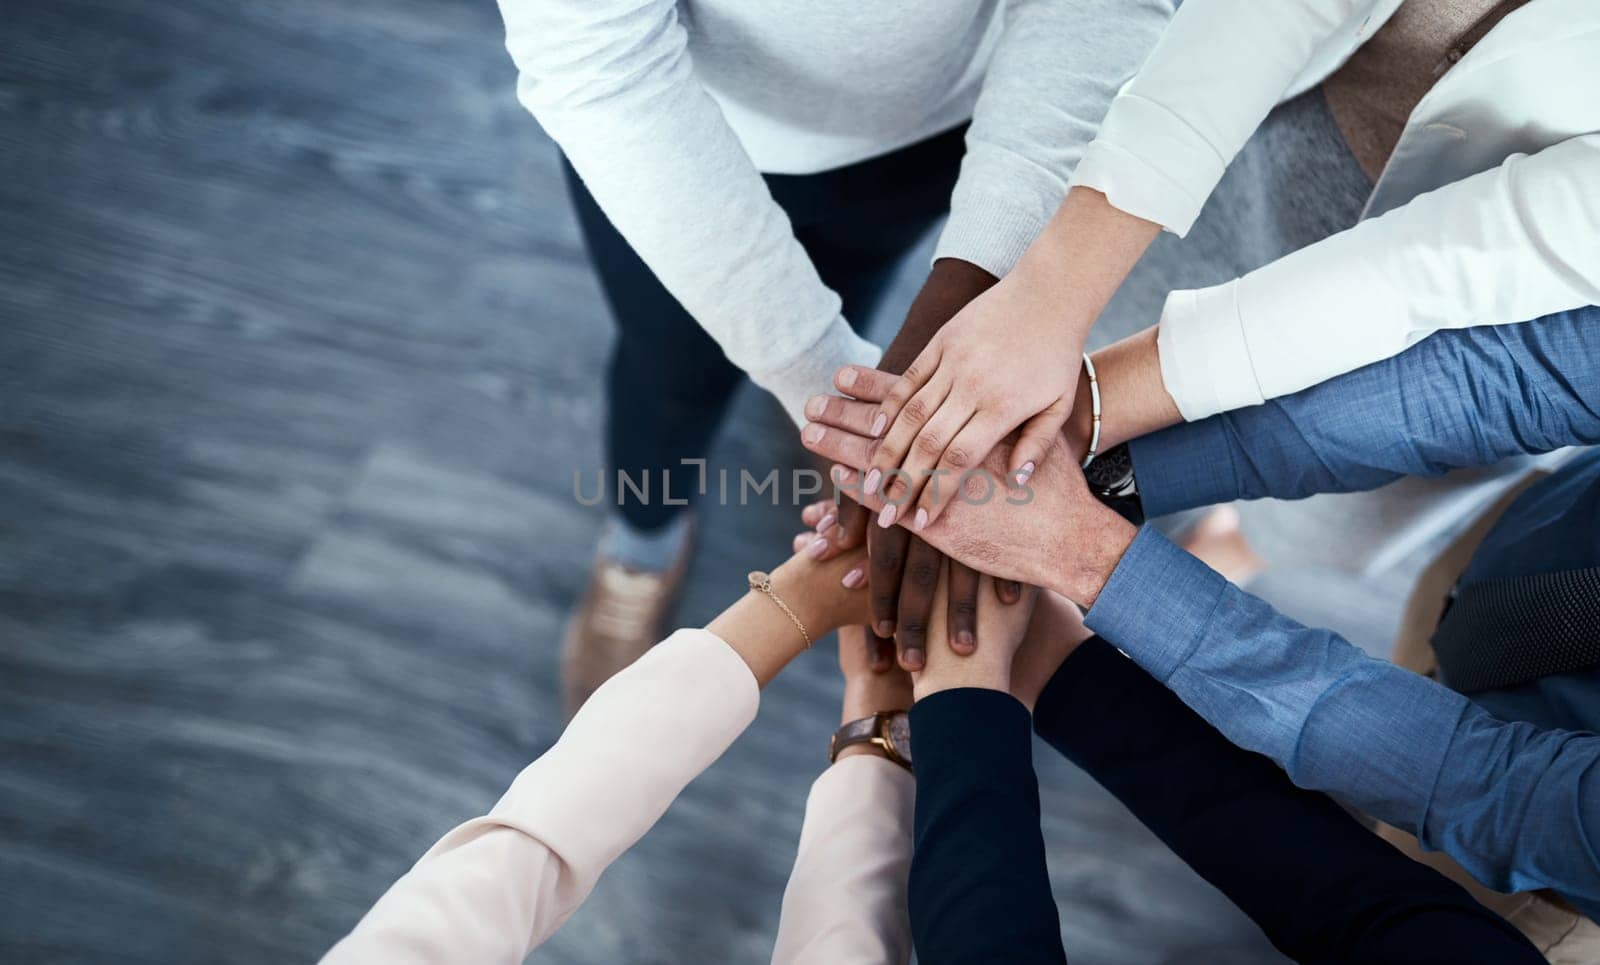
(669, 383)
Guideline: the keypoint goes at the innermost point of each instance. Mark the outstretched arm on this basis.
(496, 887)
(1321, 886)
(1467, 397)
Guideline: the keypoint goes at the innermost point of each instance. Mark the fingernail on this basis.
(855, 578)
(815, 406)
(878, 425)
(812, 433)
(870, 484)
(920, 520)
(1024, 473)
(817, 548)
(826, 524)
(913, 659)
(886, 628)
(965, 638)
(886, 518)
(838, 474)
(846, 377)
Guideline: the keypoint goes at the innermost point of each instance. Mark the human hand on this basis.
(1051, 533)
(990, 668)
(903, 568)
(867, 689)
(1007, 360)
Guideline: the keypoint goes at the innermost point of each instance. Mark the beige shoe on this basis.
(620, 616)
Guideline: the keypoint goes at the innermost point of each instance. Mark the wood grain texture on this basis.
(298, 352)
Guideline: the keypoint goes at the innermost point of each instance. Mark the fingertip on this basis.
(964, 643)
(845, 378)
(911, 660)
(879, 423)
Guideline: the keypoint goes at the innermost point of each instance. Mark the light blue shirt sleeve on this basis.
(1518, 807)
(1466, 397)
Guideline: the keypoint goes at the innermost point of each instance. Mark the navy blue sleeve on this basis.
(979, 889)
(1322, 887)
(1464, 397)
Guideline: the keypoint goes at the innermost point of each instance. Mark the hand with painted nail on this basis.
(1051, 532)
(1005, 362)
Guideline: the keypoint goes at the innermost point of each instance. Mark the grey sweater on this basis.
(670, 111)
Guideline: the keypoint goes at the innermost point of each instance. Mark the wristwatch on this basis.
(1111, 480)
(887, 730)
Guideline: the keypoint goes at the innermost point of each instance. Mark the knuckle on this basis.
(923, 572)
(929, 444)
(958, 457)
(916, 410)
(964, 607)
(886, 559)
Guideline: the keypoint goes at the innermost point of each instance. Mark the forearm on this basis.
(979, 887)
(1460, 398)
(1053, 74)
(1516, 242)
(846, 898)
(762, 634)
(1316, 882)
(1082, 257)
(1396, 745)
(612, 82)
(497, 886)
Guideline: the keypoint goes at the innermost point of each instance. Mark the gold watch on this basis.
(888, 730)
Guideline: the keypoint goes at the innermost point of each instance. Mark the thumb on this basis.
(1037, 436)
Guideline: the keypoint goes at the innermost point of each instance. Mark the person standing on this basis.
(746, 176)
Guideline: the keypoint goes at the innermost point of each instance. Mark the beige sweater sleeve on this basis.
(496, 887)
(846, 899)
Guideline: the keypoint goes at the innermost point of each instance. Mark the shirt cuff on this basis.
(1205, 357)
(1149, 162)
(1184, 466)
(1158, 638)
(811, 372)
(1000, 204)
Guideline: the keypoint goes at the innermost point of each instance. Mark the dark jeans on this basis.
(669, 383)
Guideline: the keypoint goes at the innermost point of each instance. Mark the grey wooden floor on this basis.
(297, 355)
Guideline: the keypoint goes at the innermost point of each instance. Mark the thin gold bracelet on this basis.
(763, 582)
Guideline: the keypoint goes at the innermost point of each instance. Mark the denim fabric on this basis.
(1468, 397)
(1517, 806)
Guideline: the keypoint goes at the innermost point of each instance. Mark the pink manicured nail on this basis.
(817, 548)
(886, 518)
(878, 425)
(855, 578)
(1024, 473)
(870, 485)
(826, 524)
(920, 520)
(846, 378)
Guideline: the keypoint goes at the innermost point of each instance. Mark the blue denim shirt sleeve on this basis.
(1517, 807)
(1465, 397)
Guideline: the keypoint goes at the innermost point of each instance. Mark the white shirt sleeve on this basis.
(1509, 245)
(846, 899)
(496, 887)
(611, 82)
(1052, 76)
(1217, 71)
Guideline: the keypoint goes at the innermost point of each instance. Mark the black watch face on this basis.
(900, 734)
(1111, 472)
